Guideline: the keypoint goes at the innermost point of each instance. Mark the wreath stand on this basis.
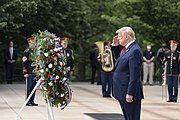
(49, 108)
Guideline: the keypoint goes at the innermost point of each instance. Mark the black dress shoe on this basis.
(170, 101)
(175, 100)
(34, 104)
(106, 96)
(29, 104)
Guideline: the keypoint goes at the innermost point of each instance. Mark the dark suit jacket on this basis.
(127, 74)
(7, 55)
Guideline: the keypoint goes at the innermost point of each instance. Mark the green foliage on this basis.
(86, 22)
(12, 11)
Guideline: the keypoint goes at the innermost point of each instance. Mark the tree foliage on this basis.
(88, 21)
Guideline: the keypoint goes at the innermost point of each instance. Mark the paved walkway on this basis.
(87, 104)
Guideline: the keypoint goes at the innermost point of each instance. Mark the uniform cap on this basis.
(173, 42)
(30, 39)
(65, 40)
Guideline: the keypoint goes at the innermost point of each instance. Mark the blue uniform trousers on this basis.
(31, 83)
(106, 78)
(172, 87)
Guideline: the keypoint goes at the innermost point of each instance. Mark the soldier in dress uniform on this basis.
(69, 56)
(27, 71)
(173, 70)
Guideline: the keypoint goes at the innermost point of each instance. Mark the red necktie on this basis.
(122, 50)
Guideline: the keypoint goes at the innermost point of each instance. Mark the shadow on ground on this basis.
(105, 116)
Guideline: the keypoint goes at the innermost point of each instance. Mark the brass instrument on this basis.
(105, 56)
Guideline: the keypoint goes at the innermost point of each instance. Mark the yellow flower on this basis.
(24, 58)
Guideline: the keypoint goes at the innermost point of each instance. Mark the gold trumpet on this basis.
(105, 56)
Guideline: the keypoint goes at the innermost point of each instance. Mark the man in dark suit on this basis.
(127, 85)
(28, 71)
(10, 60)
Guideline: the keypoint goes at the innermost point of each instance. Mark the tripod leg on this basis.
(50, 111)
(37, 84)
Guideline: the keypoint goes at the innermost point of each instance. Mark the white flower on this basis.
(44, 39)
(50, 65)
(45, 88)
(24, 59)
(55, 49)
(46, 54)
(64, 78)
(57, 77)
(58, 55)
(60, 63)
(62, 95)
(50, 84)
(42, 70)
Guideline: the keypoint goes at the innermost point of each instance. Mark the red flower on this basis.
(63, 65)
(50, 89)
(48, 46)
(50, 95)
(54, 53)
(55, 37)
(55, 57)
(49, 75)
(60, 72)
(47, 59)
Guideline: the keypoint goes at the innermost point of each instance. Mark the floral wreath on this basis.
(49, 66)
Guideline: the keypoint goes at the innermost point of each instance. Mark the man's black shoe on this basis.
(175, 100)
(29, 104)
(106, 96)
(34, 104)
(170, 101)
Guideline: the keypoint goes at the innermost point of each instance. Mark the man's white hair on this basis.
(127, 30)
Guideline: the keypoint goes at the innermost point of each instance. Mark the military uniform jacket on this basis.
(69, 59)
(173, 63)
(26, 61)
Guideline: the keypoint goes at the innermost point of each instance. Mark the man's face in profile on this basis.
(31, 44)
(64, 44)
